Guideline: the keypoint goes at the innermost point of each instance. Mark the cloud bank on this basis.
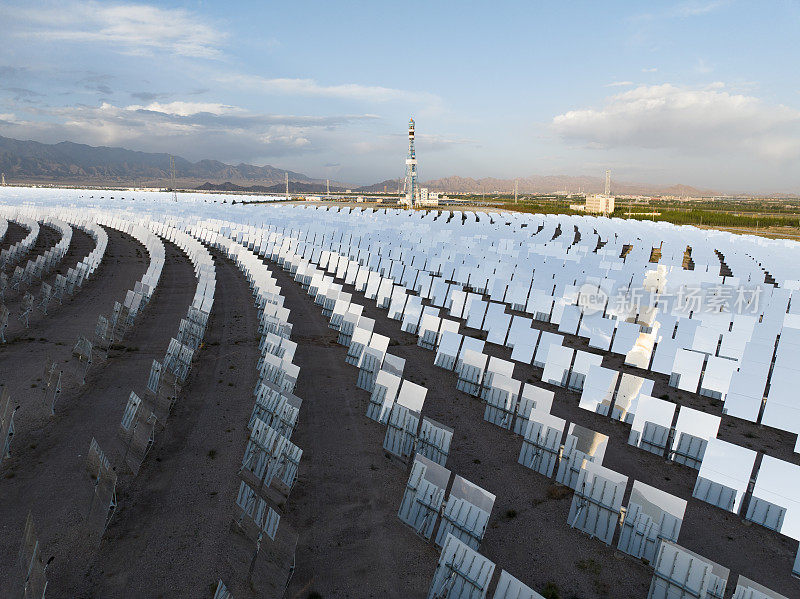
(128, 28)
(704, 120)
(196, 130)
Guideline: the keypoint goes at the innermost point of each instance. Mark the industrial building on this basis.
(598, 203)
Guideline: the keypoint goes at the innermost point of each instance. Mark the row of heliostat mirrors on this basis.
(397, 403)
(24, 275)
(269, 465)
(539, 266)
(37, 269)
(597, 503)
(140, 418)
(271, 460)
(689, 435)
(692, 447)
(144, 416)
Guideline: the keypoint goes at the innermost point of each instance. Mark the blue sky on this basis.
(701, 92)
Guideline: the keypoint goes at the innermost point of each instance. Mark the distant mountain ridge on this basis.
(540, 184)
(389, 186)
(553, 183)
(71, 162)
(294, 187)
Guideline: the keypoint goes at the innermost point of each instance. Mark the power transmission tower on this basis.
(516, 189)
(287, 185)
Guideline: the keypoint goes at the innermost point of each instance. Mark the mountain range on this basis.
(73, 163)
(542, 184)
(67, 162)
(280, 188)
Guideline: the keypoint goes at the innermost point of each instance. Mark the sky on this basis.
(698, 92)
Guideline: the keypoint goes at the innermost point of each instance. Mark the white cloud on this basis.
(187, 108)
(702, 67)
(650, 70)
(683, 10)
(193, 130)
(127, 28)
(698, 7)
(690, 120)
(619, 84)
(310, 87)
(431, 143)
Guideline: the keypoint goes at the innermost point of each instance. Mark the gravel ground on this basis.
(14, 233)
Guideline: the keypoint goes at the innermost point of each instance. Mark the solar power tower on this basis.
(412, 185)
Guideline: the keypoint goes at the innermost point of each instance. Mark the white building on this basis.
(428, 198)
(599, 203)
